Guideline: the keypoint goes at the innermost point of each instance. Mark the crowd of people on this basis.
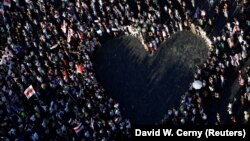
(229, 51)
(239, 106)
(48, 86)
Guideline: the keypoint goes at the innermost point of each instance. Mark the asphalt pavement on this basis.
(147, 85)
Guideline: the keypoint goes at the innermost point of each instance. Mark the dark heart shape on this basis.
(147, 85)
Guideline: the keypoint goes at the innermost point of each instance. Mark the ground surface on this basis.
(147, 86)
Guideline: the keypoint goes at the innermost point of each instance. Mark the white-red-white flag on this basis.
(65, 75)
(78, 128)
(29, 92)
(70, 34)
(85, 6)
(7, 3)
(79, 68)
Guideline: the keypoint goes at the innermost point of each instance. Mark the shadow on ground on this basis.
(147, 86)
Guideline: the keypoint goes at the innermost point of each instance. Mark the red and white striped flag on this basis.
(79, 68)
(85, 6)
(241, 80)
(65, 75)
(7, 3)
(29, 92)
(78, 128)
(70, 34)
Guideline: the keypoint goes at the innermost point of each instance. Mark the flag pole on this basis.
(72, 97)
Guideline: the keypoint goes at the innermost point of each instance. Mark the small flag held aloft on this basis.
(29, 92)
